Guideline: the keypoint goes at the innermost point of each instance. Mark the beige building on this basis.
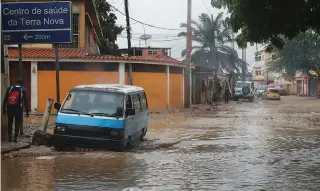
(259, 73)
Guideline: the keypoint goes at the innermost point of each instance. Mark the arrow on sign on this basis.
(26, 37)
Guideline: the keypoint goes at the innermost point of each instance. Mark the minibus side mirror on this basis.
(57, 105)
(130, 111)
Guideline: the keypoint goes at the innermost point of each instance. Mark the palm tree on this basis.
(212, 34)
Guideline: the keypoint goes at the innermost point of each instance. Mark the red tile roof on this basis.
(37, 54)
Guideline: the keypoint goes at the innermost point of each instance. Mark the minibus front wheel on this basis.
(143, 133)
(124, 145)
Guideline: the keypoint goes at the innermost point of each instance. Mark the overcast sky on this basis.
(166, 14)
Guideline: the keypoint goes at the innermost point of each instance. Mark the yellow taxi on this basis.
(271, 93)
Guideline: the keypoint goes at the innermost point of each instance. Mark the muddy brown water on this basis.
(265, 145)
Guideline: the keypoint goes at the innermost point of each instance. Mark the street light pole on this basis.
(188, 58)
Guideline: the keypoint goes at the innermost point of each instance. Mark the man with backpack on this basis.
(15, 98)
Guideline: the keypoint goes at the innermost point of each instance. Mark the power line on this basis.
(153, 26)
(158, 34)
(153, 37)
(121, 3)
(160, 40)
(206, 7)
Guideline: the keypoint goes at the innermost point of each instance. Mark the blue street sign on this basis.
(37, 22)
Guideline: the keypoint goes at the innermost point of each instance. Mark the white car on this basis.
(260, 90)
(244, 90)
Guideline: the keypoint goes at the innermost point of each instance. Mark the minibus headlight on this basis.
(117, 133)
(61, 128)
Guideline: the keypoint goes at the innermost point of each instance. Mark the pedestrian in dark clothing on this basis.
(15, 98)
(226, 93)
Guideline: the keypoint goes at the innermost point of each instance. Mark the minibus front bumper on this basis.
(62, 140)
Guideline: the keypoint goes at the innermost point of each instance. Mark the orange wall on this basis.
(176, 91)
(155, 86)
(68, 79)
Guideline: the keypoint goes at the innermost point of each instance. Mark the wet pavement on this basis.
(264, 145)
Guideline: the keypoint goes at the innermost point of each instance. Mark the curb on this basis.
(16, 149)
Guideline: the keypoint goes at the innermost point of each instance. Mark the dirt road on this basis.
(264, 145)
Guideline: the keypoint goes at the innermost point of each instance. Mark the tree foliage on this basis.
(301, 54)
(110, 30)
(212, 34)
(271, 21)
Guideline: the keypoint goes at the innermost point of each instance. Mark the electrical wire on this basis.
(153, 37)
(149, 25)
(206, 7)
(155, 40)
(121, 3)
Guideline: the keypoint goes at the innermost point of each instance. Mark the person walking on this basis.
(226, 93)
(15, 98)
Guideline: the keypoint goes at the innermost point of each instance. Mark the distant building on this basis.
(147, 51)
(260, 73)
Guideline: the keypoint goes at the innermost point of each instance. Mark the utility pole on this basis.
(126, 8)
(188, 59)
(244, 64)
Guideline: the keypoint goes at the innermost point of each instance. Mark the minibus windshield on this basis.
(94, 103)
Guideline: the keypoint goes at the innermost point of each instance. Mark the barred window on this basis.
(75, 33)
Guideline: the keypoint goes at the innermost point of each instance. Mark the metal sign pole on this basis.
(20, 75)
(57, 72)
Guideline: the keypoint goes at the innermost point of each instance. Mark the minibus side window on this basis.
(136, 103)
(143, 101)
(129, 102)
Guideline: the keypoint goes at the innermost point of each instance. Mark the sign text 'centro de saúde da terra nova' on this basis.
(37, 22)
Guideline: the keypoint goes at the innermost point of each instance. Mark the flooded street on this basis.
(264, 145)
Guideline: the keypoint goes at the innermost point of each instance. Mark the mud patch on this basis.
(37, 151)
(152, 145)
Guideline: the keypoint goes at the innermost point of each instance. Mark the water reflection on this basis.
(95, 171)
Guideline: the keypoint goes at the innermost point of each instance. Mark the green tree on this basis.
(271, 21)
(110, 30)
(301, 54)
(212, 34)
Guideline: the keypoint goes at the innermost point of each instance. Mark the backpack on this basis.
(15, 96)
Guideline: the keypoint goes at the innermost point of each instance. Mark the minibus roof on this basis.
(110, 88)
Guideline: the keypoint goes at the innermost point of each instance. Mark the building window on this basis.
(258, 57)
(153, 52)
(258, 73)
(75, 33)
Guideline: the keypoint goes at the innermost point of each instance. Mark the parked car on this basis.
(271, 93)
(281, 90)
(260, 90)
